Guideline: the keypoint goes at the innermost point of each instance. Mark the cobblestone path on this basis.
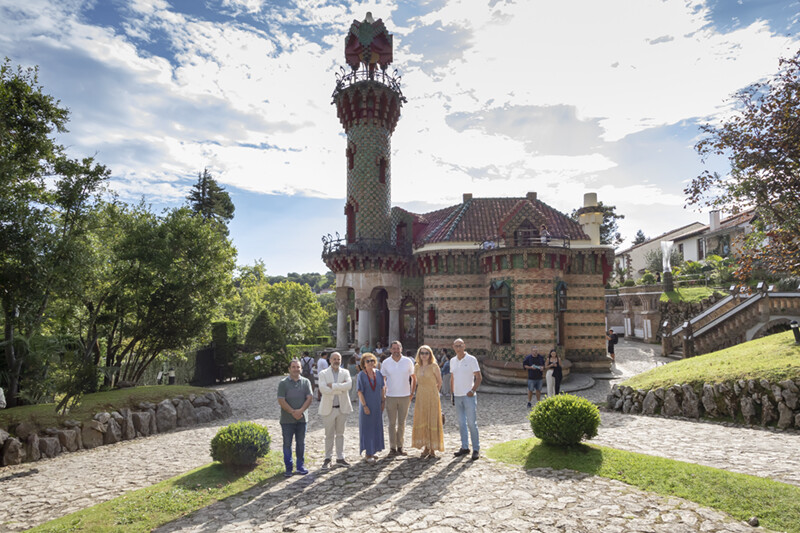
(447, 494)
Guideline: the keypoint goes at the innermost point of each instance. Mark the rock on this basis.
(776, 393)
(790, 397)
(71, 424)
(748, 410)
(102, 417)
(636, 408)
(53, 432)
(788, 384)
(767, 410)
(125, 384)
(618, 404)
(24, 429)
(92, 435)
(611, 400)
(660, 394)
(128, 429)
(753, 521)
(205, 414)
(116, 416)
(200, 401)
(650, 404)
(185, 414)
(709, 401)
(797, 421)
(691, 403)
(626, 405)
(212, 400)
(13, 452)
(68, 438)
(49, 446)
(113, 432)
(32, 452)
(726, 407)
(225, 407)
(141, 421)
(3, 436)
(153, 422)
(166, 416)
(785, 416)
(738, 387)
(672, 401)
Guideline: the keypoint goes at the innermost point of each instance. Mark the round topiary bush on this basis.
(240, 444)
(565, 419)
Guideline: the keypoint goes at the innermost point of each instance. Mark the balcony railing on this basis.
(338, 245)
(345, 79)
(526, 241)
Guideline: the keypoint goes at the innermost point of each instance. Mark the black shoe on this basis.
(401, 452)
(475, 455)
(342, 462)
(392, 452)
(326, 464)
(462, 452)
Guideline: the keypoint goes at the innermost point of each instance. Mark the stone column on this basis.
(342, 336)
(394, 318)
(363, 305)
(373, 323)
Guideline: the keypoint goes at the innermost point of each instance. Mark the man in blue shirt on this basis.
(534, 363)
(294, 397)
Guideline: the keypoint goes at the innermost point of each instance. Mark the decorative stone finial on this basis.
(368, 43)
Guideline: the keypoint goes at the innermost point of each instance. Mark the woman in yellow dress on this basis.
(427, 432)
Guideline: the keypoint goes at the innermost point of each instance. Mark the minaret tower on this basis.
(368, 104)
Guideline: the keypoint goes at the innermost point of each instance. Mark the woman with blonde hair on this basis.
(372, 399)
(427, 432)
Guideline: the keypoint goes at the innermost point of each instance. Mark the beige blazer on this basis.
(341, 389)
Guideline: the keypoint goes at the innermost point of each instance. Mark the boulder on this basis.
(790, 397)
(200, 401)
(767, 410)
(92, 434)
(3, 436)
(691, 403)
(225, 409)
(68, 438)
(728, 405)
(797, 420)
(153, 422)
(789, 385)
(650, 404)
(128, 429)
(166, 416)
(141, 421)
(785, 416)
(103, 418)
(113, 432)
(49, 446)
(204, 414)
(32, 452)
(185, 414)
(660, 394)
(212, 401)
(71, 424)
(627, 404)
(709, 401)
(618, 403)
(672, 401)
(748, 410)
(24, 429)
(146, 406)
(116, 416)
(13, 452)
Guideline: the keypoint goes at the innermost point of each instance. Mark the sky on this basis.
(504, 97)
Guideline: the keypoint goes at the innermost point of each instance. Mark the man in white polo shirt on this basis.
(465, 378)
(400, 386)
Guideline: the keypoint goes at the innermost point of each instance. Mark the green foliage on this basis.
(647, 279)
(240, 444)
(653, 259)
(258, 365)
(295, 351)
(264, 334)
(639, 238)
(629, 283)
(211, 201)
(298, 313)
(689, 294)
(564, 419)
(224, 335)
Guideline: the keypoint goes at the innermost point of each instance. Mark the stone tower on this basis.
(368, 102)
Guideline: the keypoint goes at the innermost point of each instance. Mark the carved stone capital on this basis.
(363, 304)
(342, 304)
(394, 303)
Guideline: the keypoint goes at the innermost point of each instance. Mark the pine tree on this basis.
(209, 200)
(640, 238)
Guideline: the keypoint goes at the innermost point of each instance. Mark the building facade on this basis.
(508, 275)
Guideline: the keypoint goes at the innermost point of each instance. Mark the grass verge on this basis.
(774, 358)
(44, 415)
(689, 294)
(739, 495)
(151, 507)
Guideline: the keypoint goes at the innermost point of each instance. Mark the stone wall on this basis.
(746, 402)
(25, 443)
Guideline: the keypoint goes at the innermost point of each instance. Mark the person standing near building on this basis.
(294, 397)
(612, 339)
(307, 368)
(322, 364)
(465, 378)
(400, 386)
(534, 363)
(335, 384)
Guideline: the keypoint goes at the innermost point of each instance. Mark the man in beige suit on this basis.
(334, 385)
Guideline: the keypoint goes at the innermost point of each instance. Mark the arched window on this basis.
(500, 309)
(526, 234)
(382, 170)
(408, 323)
(431, 316)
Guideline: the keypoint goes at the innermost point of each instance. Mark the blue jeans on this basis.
(467, 414)
(298, 432)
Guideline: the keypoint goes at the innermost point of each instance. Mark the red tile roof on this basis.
(480, 219)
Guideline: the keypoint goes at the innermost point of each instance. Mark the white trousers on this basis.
(334, 430)
(551, 383)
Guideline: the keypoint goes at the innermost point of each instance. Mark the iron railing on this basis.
(345, 79)
(373, 246)
(526, 241)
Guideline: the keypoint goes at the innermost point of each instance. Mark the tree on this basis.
(45, 199)
(640, 238)
(299, 314)
(762, 144)
(609, 228)
(653, 259)
(208, 199)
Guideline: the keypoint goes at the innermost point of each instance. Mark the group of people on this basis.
(539, 367)
(391, 389)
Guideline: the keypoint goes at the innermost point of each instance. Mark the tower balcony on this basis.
(364, 254)
(345, 79)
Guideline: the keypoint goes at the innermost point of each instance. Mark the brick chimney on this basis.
(467, 197)
(531, 196)
(713, 220)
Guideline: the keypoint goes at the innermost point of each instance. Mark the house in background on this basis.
(633, 260)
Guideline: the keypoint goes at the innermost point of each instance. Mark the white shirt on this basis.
(398, 374)
(322, 364)
(463, 372)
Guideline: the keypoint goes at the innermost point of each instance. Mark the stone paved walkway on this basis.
(410, 493)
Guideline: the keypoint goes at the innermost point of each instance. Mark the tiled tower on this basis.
(368, 104)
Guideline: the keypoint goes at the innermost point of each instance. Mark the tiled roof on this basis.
(480, 219)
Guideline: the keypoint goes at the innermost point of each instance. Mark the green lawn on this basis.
(44, 415)
(151, 507)
(689, 294)
(775, 358)
(741, 496)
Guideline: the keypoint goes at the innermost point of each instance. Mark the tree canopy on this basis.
(210, 200)
(639, 238)
(609, 228)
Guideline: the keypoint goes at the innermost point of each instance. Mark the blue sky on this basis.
(504, 97)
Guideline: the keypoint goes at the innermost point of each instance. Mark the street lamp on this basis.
(793, 325)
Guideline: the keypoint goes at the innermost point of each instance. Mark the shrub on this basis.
(240, 444)
(648, 278)
(629, 283)
(565, 419)
(257, 365)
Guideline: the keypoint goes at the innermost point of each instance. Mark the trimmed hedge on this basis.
(296, 350)
(564, 419)
(240, 444)
(258, 365)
